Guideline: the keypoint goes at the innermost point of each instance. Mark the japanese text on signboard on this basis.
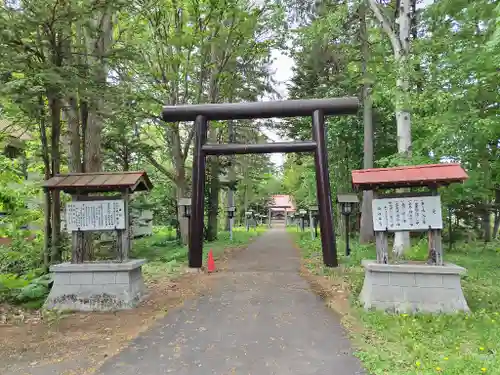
(95, 215)
(407, 214)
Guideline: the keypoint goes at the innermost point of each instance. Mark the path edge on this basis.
(335, 294)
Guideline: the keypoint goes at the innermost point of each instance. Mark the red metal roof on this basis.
(99, 181)
(408, 176)
(282, 202)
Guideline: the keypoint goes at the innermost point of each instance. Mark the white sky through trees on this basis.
(282, 67)
(283, 72)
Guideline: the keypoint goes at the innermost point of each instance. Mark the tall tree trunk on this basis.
(182, 192)
(486, 224)
(366, 233)
(55, 115)
(214, 188)
(98, 44)
(496, 221)
(231, 174)
(403, 119)
(47, 174)
(214, 185)
(78, 240)
(400, 41)
(71, 112)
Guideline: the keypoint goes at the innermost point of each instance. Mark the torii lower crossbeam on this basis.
(317, 108)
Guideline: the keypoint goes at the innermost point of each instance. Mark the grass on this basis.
(167, 258)
(424, 343)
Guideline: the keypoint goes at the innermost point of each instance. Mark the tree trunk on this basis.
(496, 222)
(47, 195)
(181, 185)
(214, 185)
(231, 174)
(74, 139)
(79, 241)
(98, 43)
(55, 115)
(366, 233)
(496, 225)
(486, 224)
(401, 47)
(403, 119)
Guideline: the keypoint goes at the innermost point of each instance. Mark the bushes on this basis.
(21, 255)
(424, 343)
(21, 276)
(31, 288)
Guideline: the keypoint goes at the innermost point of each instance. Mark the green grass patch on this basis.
(165, 258)
(425, 343)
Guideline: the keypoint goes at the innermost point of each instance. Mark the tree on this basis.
(190, 56)
(400, 42)
(366, 227)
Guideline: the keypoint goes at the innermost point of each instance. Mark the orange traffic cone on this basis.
(211, 262)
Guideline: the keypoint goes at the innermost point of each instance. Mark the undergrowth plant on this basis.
(424, 344)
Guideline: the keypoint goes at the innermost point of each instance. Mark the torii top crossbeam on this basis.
(252, 110)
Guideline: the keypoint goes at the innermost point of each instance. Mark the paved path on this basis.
(262, 319)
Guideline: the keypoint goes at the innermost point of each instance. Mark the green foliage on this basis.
(454, 97)
(167, 258)
(15, 193)
(19, 208)
(299, 180)
(21, 255)
(37, 289)
(29, 289)
(426, 344)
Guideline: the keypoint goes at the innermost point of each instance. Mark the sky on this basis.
(282, 67)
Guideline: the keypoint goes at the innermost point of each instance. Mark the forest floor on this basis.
(393, 344)
(76, 343)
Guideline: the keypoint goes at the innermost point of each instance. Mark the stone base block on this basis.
(97, 286)
(413, 287)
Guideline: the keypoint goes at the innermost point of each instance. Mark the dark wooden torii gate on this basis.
(317, 108)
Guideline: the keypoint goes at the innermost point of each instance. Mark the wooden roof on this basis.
(14, 131)
(99, 182)
(347, 198)
(281, 202)
(408, 176)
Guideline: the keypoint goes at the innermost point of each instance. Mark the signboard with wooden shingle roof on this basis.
(408, 211)
(99, 182)
(100, 213)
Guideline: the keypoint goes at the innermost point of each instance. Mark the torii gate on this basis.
(316, 108)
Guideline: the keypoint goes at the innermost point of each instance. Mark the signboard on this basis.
(95, 215)
(407, 214)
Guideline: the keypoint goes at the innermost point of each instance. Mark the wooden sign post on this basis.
(412, 212)
(410, 286)
(84, 285)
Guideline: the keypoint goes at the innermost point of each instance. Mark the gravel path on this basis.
(261, 319)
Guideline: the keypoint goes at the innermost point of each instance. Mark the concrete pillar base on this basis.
(97, 286)
(413, 287)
